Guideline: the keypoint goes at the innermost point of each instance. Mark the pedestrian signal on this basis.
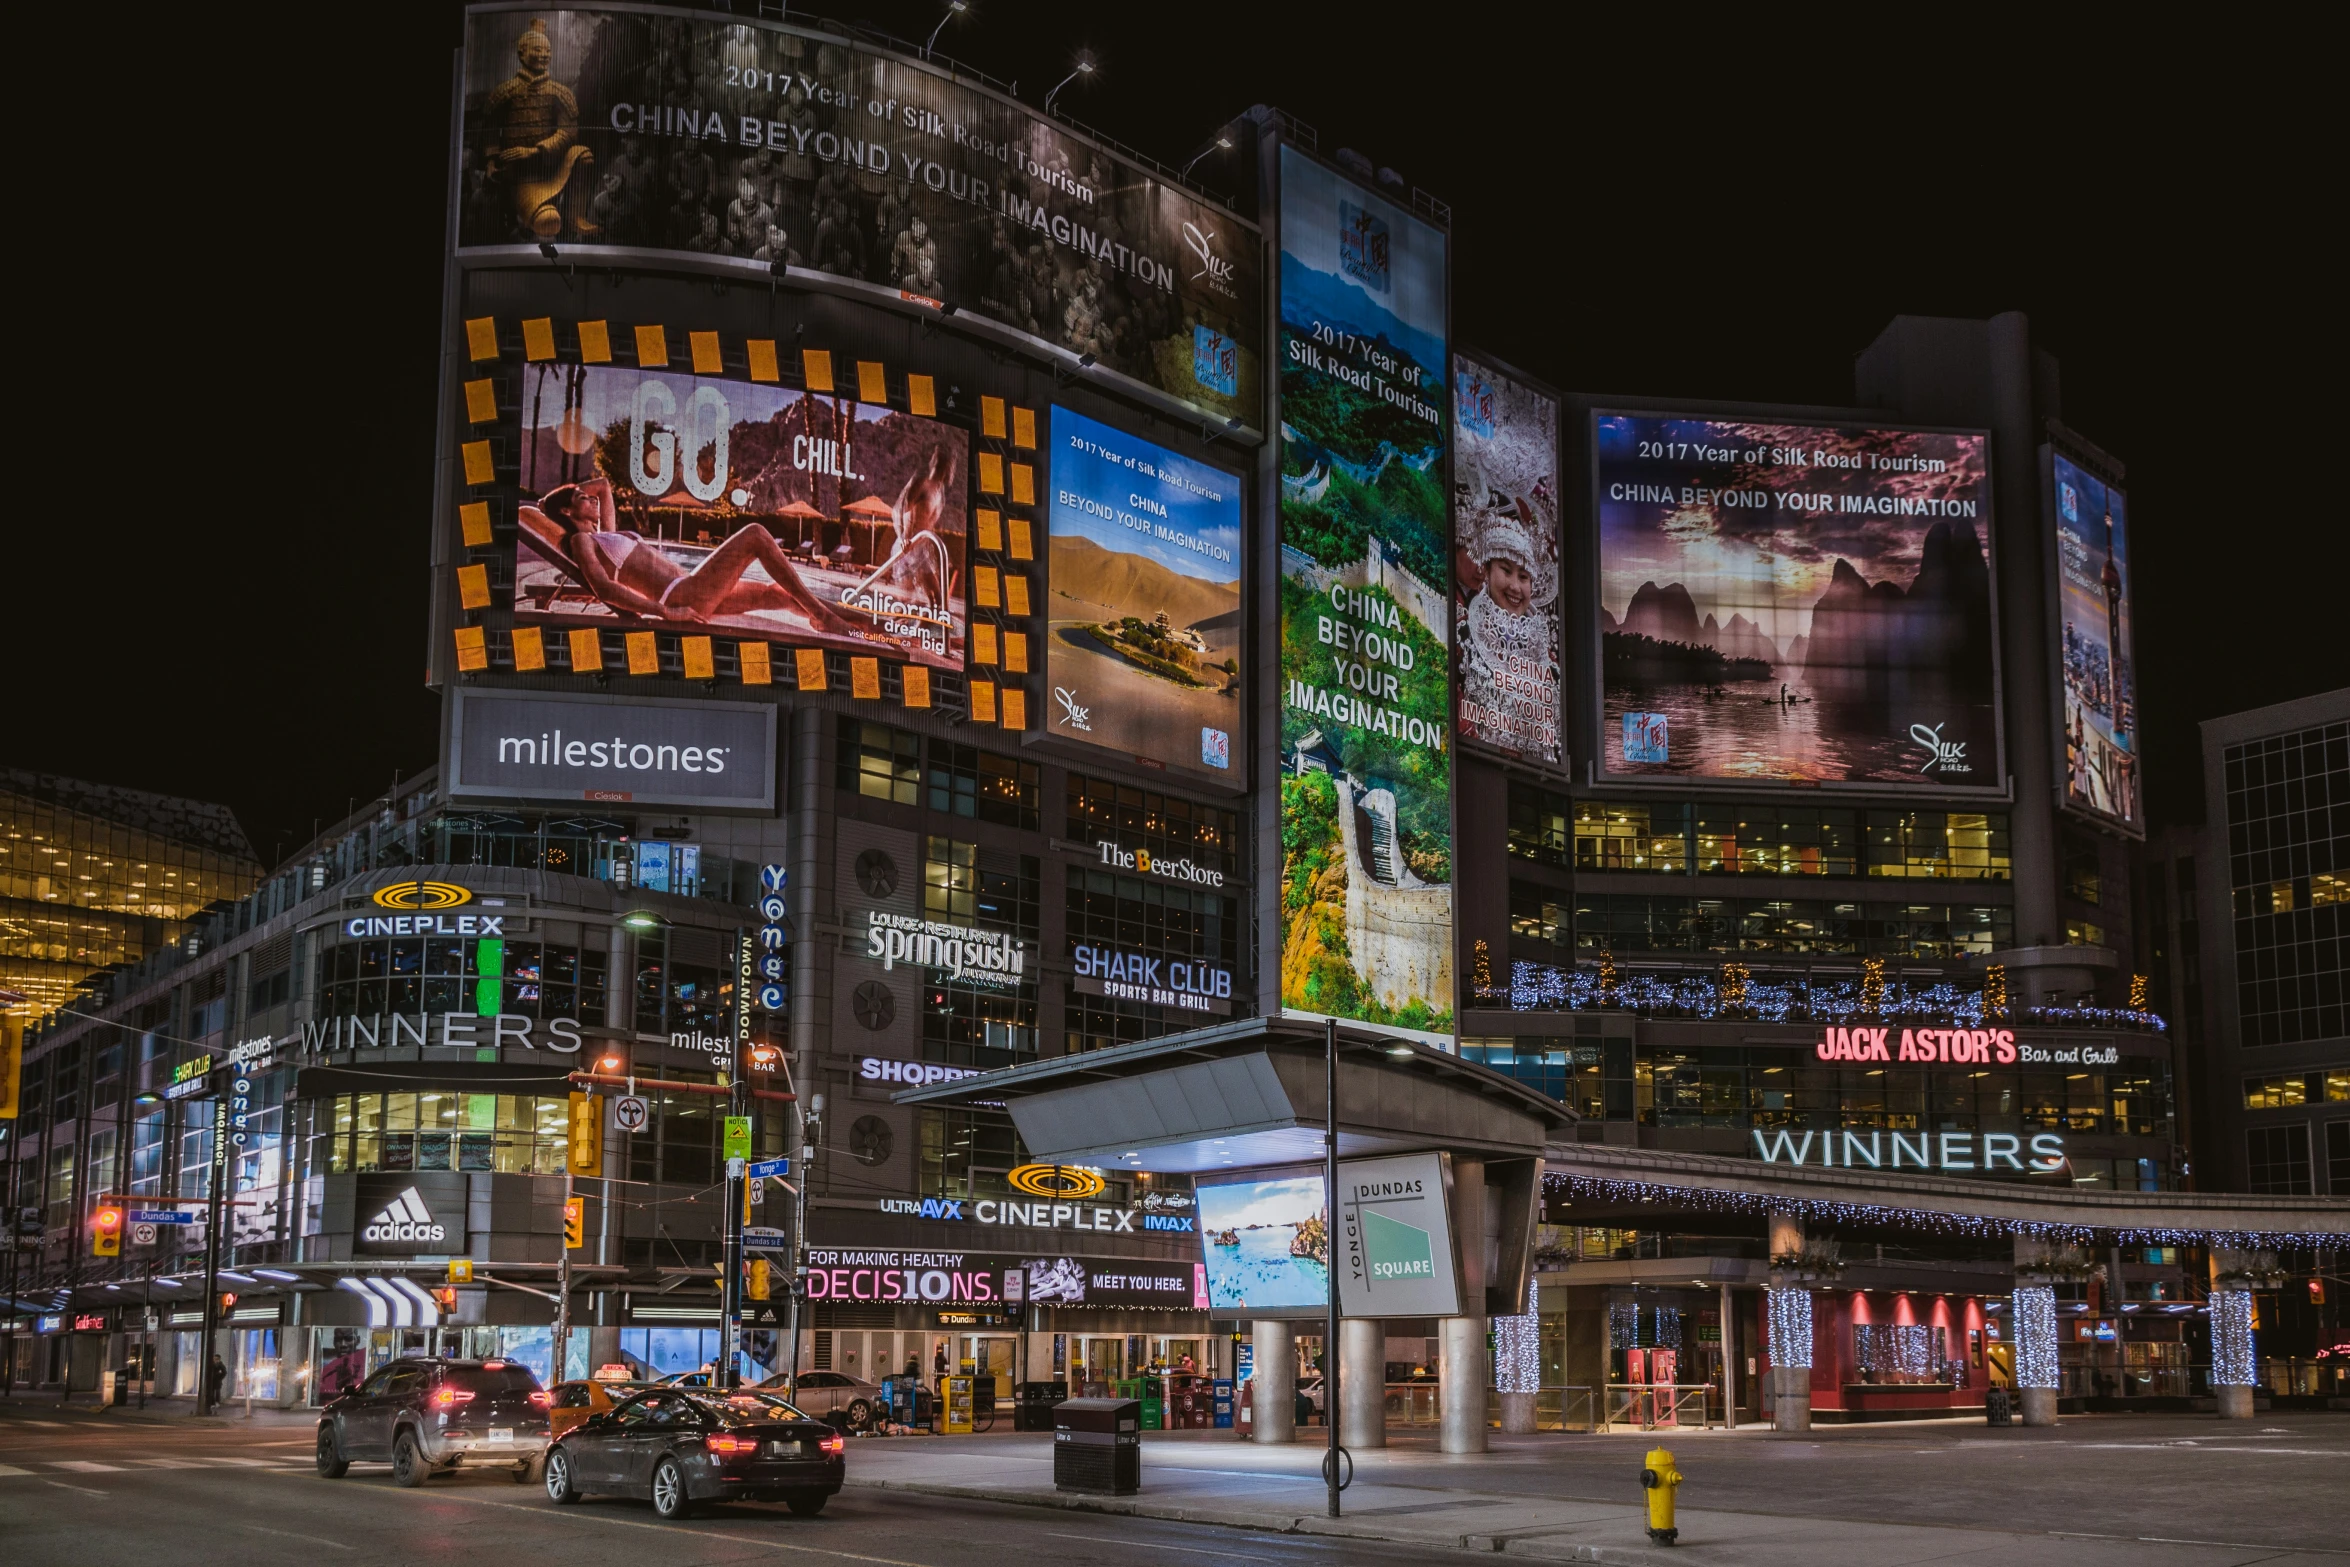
(574, 1223)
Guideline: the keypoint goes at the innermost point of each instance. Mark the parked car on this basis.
(427, 1417)
(570, 1403)
(833, 1395)
(682, 1447)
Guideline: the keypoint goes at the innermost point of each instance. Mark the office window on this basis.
(1938, 845)
(966, 1152)
(1538, 914)
(2288, 815)
(2275, 1093)
(879, 762)
(2338, 1157)
(966, 781)
(2083, 875)
(1615, 836)
(2081, 933)
(1167, 825)
(1538, 823)
(1789, 840)
(2276, 1160)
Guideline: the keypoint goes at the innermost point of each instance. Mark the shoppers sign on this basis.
(409, 1215)
(1395, 1238)
(979, 957)
(546, 745)
(1156, 981)
(1951, 1152)
(914, 1074)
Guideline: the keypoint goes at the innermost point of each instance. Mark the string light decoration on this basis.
(1733, 987)
(2233, 1363)
(1483, 970)
(1546, 987)
(1517, 1347)
(2035, 1335)
(1872, 986)
(1620, 1192)
(2137, 992)
(1995, 990)
(1790, 1327)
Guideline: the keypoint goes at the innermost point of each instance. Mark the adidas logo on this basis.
(407, 1219)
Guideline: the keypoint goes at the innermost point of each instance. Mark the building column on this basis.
(1787, 1303)
(1273, 1399)
(603, 1346)
(2033, 1306)
(1729, 1343)
(1462, 1387)
(2235, 1368)
(1362, 1382)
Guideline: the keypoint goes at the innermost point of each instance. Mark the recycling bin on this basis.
(1097, 1445)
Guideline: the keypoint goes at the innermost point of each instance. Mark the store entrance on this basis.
(990, 1359)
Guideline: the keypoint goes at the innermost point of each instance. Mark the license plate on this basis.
(501, 1433)
(787, 1450)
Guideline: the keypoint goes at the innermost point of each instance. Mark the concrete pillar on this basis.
(1462, 1388)
(1273, 1400)
(1362, 1382)
(2034, 1312)
(603, 1346)
(2235, 1367)
(1791, 1340)
(1729, 1362)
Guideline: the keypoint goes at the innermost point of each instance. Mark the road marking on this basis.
(57, 1423)
(245, 1463)
(575, 1516)
(167, 1463)
(287, 1534)
(11, 1469)
(1153, 1545)
(85, 1490)
(85, 1466)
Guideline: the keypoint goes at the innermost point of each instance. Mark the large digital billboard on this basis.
(1366, 607)
(2093, 619)
(1806, 604)
(560, 745)
(1267, 1243)
(768, 146)
(1505, 529)
(680, 503)
(1144, 645)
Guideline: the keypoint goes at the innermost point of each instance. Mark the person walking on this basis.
(215, 1378)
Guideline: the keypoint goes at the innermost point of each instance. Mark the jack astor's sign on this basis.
(1926, 1046)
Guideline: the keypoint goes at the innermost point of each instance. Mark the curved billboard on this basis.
(1795, 603)
(768, 145)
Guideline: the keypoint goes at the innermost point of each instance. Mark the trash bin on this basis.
(1097, 1445)
(1997, 1410)
(1032, 1405)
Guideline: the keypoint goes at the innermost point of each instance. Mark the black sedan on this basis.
(683, 1447)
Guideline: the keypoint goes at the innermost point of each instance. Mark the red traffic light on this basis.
(107, 1219)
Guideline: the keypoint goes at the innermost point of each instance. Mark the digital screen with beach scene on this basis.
(1144, 654)
(1798, 604)
(659, 501)
(1267, 1243)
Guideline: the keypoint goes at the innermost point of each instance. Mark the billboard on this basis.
(548, 745)
(665, 501)
(769, 146)
(1366, 607)
(1395, 1238)
(2093, 619)
(1795, 603)
(1505, 528)
(1266, 1242)
(1143, 649)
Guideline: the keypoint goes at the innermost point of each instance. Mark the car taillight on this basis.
(731, 1444)
(834, 1444)
(539, 1399)
(452, 1395)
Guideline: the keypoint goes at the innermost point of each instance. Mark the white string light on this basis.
(1790, 1327)
(1615, 1190)
(2035, 1335)
(1546, 987)
(1517, 1348)
(2233, 1363)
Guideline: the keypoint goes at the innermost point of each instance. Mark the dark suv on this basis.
(429, 1416)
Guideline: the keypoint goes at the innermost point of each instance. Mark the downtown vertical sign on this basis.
(1366, 614)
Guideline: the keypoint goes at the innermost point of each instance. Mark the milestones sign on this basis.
(540, 745)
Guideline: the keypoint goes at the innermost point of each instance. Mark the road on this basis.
(78, 1490)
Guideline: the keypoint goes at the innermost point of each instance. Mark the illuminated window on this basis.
(2288, 862)
(1538, 823)
(880, 762)
(966, 781)
(2328, 888)
(1537, 914)
(1610, 835)
(1134, 818)
(2081, 933)
(2275, 1093)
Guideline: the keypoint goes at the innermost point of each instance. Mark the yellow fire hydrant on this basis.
(1662, 1480)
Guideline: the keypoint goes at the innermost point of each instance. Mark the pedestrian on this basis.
(215, 1378)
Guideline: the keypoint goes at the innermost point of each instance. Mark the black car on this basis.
(685, 1446)
(426, 1417)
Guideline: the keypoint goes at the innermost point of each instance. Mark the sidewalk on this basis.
(1414, 1495)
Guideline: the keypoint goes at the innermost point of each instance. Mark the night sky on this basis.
(224, 594)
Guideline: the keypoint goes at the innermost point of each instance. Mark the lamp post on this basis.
(1084, 68)
(1330, 1264)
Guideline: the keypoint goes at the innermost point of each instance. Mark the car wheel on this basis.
(669, 1498)
(408, 1465)
(559, 1486)
(331, 1462)
(859, 1415)
(806, 1504)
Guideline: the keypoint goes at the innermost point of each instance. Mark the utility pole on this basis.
(730, 1311)
(1330, 1267)
(215, 1210)
(810, 1121)
(563, 1282)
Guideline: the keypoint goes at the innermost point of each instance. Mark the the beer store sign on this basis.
(1122, 975)
(1118, 857)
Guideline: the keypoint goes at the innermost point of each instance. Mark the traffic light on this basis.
(587, 1135)
(2317, 1292)
(445, 1297)
(574, 1223)
(758, 1287)
(106, 1232)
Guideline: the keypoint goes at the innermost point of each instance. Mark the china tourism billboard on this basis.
(754, 145)
(672, 502)
(1144, 645)
(1806, 604)
(2094, 575)
(1505, 528)
(1366, 607)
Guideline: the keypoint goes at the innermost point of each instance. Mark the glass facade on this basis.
(441, 1129)
(413, 975)
(2288, 821)
(1157, 919)
(1135, 818)
(1748, 840)
(1636, 922)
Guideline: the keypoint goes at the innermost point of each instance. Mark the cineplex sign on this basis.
(953, 1278)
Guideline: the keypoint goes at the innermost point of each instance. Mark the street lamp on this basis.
(1084, 68)
(1222, 143)
(955, 8)
(643, 920)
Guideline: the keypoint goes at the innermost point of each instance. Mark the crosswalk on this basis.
(91, 1466)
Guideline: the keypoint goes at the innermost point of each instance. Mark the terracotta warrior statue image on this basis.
(530, 145)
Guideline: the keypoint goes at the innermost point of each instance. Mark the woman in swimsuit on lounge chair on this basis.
(630, 574)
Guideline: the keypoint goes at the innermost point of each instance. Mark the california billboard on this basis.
(1145, 641)
(2094, 574)
(1505, 529)
(1805, 604)
(1366, 607)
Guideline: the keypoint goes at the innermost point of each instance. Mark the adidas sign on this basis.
(406, 1219)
